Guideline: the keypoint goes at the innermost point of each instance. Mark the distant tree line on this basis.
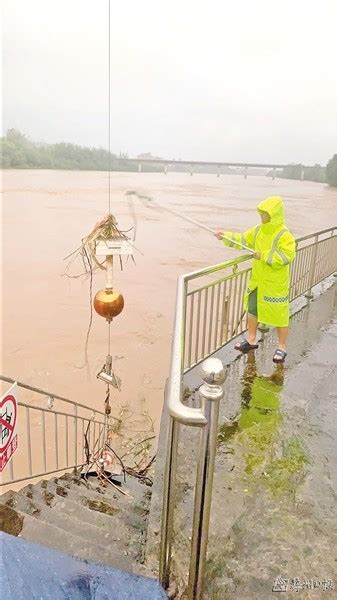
(316, 173)
(331, 171)
(18, 152)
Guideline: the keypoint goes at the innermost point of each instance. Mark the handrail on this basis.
(49, 394)
(178, 410)
(69, 441)
(57, 412)
(317, 233)
(308, 272)
(185, 414)
(215, 268)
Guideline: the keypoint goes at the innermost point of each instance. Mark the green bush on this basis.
(331, 171)
(18, 152)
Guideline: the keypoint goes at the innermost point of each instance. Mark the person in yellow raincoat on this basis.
(267, 296)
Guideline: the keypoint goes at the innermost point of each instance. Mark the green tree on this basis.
(331, 171)
(316, 173)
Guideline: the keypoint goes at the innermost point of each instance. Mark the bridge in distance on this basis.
(191, 164)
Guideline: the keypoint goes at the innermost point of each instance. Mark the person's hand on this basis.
(257, 255)
(219, 235)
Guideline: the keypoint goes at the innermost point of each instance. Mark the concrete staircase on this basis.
(82, 518)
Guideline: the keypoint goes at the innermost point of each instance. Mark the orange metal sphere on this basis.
(108, 303)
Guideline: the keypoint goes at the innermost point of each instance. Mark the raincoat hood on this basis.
(275, 208)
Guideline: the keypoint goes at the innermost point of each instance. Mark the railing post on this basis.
(29, 444)
(56, 441)
(75, 434)
(211, 392)
(44, 442)
(309, 293)
(335, 273)
(168, 503)
(11, 471)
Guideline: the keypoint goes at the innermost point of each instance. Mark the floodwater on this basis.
(46, 314)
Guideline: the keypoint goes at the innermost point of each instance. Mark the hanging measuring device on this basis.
(109, 302)
(187, 219)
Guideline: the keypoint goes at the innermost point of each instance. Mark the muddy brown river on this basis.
(46, 314)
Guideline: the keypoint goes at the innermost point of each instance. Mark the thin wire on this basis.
(109, 94)
(109, 338)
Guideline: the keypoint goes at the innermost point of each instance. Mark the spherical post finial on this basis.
(213, 375)
(212, 371)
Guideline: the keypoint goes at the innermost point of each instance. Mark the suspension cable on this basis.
(109, 111)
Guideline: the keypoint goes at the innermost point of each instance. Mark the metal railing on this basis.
(209, 314)
(55, 435)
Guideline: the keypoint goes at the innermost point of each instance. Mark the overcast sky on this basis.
(250, 80)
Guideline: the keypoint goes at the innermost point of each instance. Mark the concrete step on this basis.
(20, 502)
(125, 509)
(89, 514)
(74, 516)
(39, 531)
(68, 515)
(124, 535)
(78, 488)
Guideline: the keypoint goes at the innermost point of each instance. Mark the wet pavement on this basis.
(274, 506)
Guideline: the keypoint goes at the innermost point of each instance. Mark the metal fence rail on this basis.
(213, 305)
(214, 310)
(209, 314)
(52, 435)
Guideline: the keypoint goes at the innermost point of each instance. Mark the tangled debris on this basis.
(85, 254)
(133, 437)
(107, 229)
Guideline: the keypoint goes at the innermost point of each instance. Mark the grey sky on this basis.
(217, 80)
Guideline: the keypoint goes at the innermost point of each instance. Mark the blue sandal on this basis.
(245, 346)
(279, 356)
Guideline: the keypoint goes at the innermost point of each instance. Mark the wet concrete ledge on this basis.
(274, 508)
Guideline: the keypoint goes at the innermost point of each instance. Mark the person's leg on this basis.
(282, 334)
(252, 328)
(252, 324)
(252, 317)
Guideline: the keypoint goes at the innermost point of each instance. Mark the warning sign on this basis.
(8, 421)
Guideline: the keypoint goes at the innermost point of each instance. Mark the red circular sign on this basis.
(8, 404)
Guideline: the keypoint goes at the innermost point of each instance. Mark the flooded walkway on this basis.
(274, 506)
(274, 511)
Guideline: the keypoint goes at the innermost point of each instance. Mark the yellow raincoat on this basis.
(270, 274)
